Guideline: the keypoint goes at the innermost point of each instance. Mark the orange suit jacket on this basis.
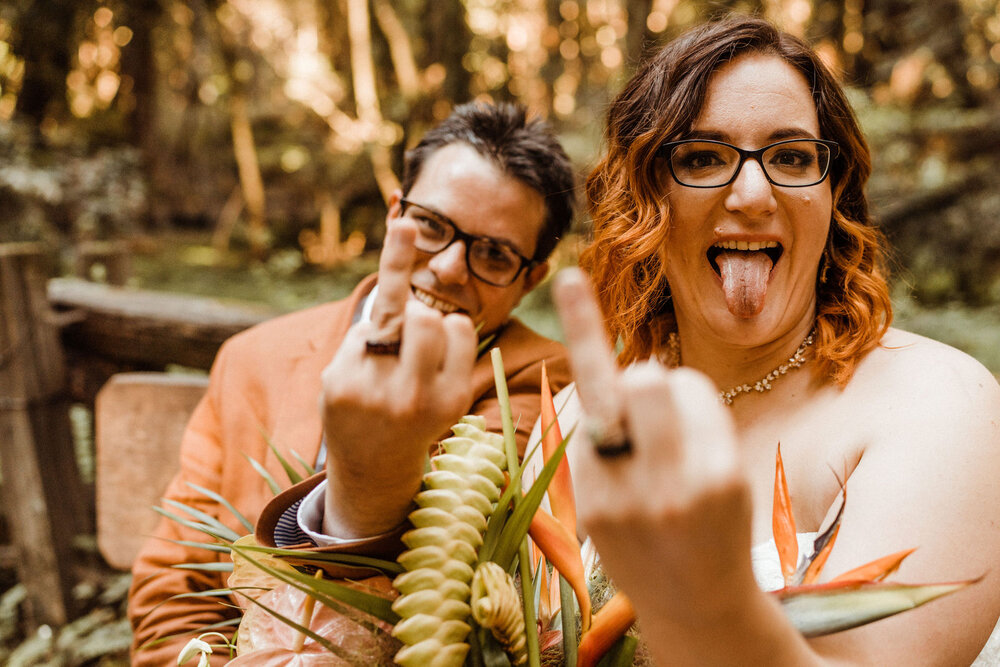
(264, 387)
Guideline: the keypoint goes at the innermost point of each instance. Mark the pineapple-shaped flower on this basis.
(457, 497)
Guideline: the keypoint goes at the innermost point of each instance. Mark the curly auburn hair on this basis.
(632, 220)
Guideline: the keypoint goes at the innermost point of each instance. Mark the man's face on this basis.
(470, 190)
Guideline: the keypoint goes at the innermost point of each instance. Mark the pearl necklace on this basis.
(797, 360)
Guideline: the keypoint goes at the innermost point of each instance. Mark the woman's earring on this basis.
(825, 266)
(671, 354)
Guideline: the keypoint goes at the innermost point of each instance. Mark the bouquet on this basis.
(473, 589)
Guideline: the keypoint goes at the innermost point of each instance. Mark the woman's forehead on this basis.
(760, 94)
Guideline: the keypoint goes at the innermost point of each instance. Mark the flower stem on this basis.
(514, 468)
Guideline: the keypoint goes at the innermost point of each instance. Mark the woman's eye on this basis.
(793, 158)
(701, 160)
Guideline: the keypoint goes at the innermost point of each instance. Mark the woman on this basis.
(732, 237)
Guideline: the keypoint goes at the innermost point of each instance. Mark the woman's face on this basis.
(741, 259)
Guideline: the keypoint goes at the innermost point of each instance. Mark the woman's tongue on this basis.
(744, 280)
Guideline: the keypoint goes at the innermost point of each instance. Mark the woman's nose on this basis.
(751, 192)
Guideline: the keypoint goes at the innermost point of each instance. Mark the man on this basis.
(485, 197)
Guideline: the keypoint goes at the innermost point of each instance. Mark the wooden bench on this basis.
(139, 419)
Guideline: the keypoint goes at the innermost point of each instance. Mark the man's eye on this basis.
(495, 256)
(430, 227)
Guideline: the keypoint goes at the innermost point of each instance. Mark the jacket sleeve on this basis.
(154, 614)
(523, 366)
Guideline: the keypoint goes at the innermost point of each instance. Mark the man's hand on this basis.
(382, 412)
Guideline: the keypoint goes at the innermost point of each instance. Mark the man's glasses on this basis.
(493, 261)
(704, 163)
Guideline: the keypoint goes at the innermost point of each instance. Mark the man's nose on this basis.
(750, 191)
(449, 265)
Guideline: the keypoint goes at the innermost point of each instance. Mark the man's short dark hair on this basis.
(525, 149)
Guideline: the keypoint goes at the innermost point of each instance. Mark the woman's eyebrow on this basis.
(776, 135)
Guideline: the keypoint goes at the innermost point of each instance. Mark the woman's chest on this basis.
(819, 450)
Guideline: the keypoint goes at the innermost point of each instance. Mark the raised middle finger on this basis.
(394, 270)
(594, 368)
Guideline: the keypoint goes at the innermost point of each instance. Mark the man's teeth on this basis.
(746, 245)
(438, 304)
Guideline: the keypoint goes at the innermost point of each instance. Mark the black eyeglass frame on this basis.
(665, 151)
(459, 235)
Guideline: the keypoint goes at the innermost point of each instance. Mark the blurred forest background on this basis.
(246, 147)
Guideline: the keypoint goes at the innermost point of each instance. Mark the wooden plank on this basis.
(44, 501)
(139, 418)
(149, 329)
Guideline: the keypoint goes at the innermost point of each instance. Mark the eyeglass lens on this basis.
(488, 260)
(710, 164)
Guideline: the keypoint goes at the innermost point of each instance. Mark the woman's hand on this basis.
(670, 519)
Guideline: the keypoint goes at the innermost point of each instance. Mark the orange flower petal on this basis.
(560, 490)
(610, 623)
(783, 522)
(561, 548)
(816, 566)
(876, 570)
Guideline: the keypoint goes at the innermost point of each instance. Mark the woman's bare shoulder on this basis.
(917, 390)
(909, 365)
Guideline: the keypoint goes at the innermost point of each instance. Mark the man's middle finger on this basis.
(395, 267)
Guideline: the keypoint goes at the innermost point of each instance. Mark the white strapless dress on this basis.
(767, 571)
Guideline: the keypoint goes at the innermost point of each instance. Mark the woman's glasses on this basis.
(705, 163)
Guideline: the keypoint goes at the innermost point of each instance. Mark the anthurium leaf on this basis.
(326, 643)
(329, 593)
(207, 519)
(823, 609)
(275, 489)
(225, 503)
